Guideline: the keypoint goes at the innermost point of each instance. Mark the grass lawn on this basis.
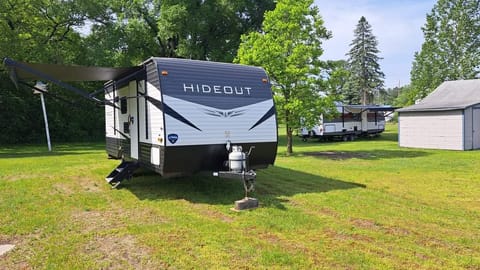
(357, 205)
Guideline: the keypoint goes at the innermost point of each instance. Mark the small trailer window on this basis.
(126, 127)
(123, 105)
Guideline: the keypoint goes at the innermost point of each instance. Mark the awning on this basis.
(371, 108)
(67, 73)
(59, 74)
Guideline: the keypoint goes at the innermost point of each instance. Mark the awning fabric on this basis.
(371, 108)
(67, 73)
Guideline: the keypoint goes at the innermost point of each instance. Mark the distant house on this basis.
(448, 118)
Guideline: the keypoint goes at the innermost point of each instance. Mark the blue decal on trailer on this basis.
(173, 138)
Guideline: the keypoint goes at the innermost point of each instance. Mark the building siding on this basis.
(467, 129)
(434, 130)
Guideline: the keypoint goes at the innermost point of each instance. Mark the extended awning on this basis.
(59, 74)
(371, 108)
(67, 73)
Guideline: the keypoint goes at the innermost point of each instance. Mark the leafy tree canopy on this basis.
(451, 50)
(289, 47)
(132, 31)
(107, 33)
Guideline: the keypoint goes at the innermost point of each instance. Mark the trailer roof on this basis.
(31, 71)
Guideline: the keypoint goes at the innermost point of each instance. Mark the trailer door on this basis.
(133, 118)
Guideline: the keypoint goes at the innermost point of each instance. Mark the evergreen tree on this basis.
(451, 50)
(366, 78)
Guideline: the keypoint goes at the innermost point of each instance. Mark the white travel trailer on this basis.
(351, 121)
(177, 116)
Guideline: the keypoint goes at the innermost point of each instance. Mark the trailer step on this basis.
(121, 172)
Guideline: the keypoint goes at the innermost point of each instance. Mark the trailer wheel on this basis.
(304, 139)
(345, 138)
(351, 138)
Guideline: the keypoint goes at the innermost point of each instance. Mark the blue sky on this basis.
(396, 24)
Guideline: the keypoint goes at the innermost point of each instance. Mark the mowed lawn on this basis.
(366, 204)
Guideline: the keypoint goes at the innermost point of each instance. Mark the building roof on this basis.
(450, 95)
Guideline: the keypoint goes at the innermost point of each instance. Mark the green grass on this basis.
(366, 204)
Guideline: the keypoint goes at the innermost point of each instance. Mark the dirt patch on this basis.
(346, 236)
(63, 188)
(208, 212)
(16, 177)
(329, 212)
(89, 184)
(116, 218)
(397, 231)
(336, 155)
(290, 246)
(144, 216)
(5, 239)
(18, 257)
(365, 224)
(90, 221)
(77, 184)
(121, 252)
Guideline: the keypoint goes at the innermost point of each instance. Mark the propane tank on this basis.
(237, 159)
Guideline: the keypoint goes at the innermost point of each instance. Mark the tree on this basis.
(107, 33)
(451, 50)
(335, 74)
(405, 96)
(205, 30)
(289, 47)
(366, 77)
(42, 31)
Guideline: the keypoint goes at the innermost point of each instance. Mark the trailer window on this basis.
(123, 105)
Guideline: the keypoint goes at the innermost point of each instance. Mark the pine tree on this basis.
(366, 78)
(451, 50)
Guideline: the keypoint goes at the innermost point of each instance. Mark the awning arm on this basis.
(13, 64)
(46, 92)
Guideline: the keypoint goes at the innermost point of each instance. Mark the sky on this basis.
(396, 24)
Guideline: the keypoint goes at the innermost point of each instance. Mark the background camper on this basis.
(351, 121)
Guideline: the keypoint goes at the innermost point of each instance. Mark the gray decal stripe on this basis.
(168, 110)
(265, 117)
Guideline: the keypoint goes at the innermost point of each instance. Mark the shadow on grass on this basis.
(391, 137)
(367, 155)
(31, 151)
(273, 186)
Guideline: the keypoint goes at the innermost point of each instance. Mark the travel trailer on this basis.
(176, 116)
(350, 122)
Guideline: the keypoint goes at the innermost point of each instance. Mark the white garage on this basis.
(448, 118)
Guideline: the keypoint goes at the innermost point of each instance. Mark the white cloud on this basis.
(396, 24)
